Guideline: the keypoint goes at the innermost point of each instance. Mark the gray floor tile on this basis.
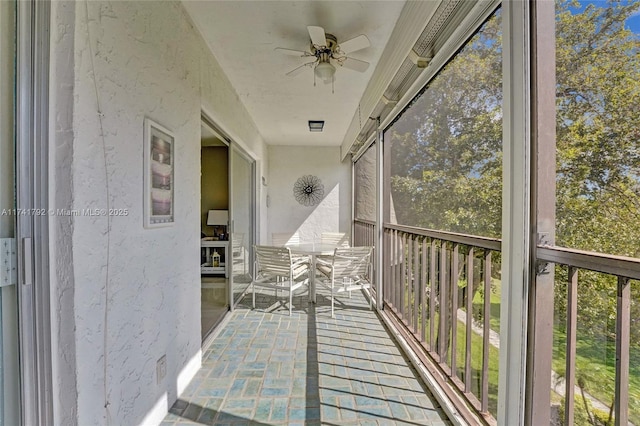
(266, 368)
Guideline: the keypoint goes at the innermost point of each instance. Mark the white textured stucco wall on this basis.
(134, 293)
(285, 214)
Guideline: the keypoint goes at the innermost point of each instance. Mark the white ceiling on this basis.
(243, 35)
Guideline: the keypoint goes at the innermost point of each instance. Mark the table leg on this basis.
(312, 279)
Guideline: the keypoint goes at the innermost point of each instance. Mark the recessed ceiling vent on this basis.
(316, 125)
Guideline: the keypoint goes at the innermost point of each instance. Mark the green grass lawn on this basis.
(476, 366)
(595, 363)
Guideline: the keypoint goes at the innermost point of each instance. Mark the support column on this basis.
(528, 212)
(516, 226)
(380, 216)
(543, 177)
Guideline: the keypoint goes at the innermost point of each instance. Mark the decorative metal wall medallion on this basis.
(308, 190)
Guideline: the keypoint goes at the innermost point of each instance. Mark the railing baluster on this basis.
(392, 273)
(572, 324)
(372, 233)
(486, 329)
(454, 309)
(399, 274)
(623, 318)
(469, 324)
(368, 241)
(409, 281)
(417, 297)
(389, 271)
(432, 295)
(403, 276)
(396, 272)
(423, 287)
(385, 270)
(398, 283)
(442, 339)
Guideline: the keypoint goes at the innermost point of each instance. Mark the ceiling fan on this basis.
(326, 52)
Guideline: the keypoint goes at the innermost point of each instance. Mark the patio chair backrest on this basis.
(352, 262)
(273, 261)
(281, 239)
(337, 238)
(237, 241)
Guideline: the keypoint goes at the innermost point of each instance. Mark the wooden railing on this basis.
(431, 281)
(364, 233)
(622, 269)
(437, 286)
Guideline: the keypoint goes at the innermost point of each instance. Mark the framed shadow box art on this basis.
(158, 175)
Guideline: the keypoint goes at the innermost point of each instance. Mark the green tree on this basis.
(598, 155)
(446, 149)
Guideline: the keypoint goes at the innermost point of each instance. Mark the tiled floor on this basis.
(267, 368)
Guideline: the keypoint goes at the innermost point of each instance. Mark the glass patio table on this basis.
(313, 250)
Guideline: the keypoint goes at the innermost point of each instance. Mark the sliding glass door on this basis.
(242, 195)
(9, 366)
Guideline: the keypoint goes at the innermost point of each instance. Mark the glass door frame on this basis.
(234, 146)
(252, 234)
(32, 192)
(9, 354)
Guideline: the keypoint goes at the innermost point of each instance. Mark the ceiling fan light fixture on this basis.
(325, 71)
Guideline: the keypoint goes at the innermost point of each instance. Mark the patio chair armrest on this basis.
(323, 262)
(301, 261)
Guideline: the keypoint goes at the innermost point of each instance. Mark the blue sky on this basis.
(633, 23)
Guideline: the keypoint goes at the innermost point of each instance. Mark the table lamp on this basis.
(218, 218)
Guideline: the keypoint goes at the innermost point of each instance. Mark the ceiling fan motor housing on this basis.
(329, 49)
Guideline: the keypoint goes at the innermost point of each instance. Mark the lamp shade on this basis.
(325, 71)
(218, 217)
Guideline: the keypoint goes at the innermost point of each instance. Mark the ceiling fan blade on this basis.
(299, 69)
(356, 43)
(291, 52)
(317, 35)
(355, 64)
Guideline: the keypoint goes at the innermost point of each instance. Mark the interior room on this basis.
(214, 223)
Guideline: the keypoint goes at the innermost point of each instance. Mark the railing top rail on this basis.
(469, 240)
(621, 266)
(368, 222)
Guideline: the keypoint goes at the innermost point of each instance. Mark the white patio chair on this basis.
(349, 269)
(275, 268)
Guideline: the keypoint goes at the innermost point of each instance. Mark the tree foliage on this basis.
(446, 149)
(598, 133)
